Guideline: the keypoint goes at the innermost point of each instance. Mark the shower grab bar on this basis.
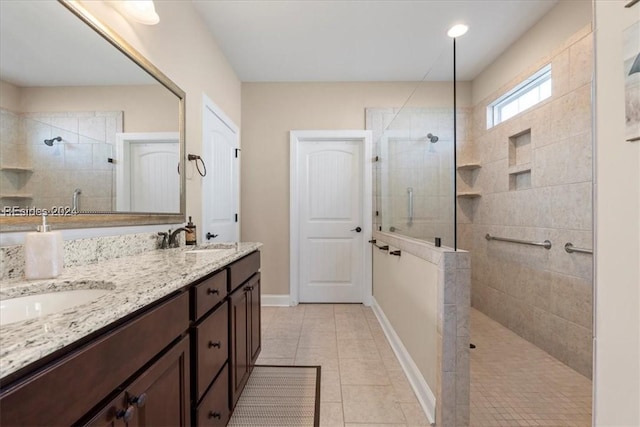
(571, 249)
(546, 244)
(410, 191)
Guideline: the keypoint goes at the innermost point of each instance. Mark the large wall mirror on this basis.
(90, 130)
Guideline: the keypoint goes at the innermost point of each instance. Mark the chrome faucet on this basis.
(173, 237)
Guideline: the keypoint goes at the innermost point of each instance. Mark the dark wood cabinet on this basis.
(239, 353)
(84, 377)
(254, 303)
(157, 397)
(214, 410)
(244, 324)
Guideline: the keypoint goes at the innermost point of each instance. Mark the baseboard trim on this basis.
(425, 396)
(275, 300)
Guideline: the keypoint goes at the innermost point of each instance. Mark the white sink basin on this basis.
(33, 306)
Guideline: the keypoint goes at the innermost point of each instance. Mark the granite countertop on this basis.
(135, 282)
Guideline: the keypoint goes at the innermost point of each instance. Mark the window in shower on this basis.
(530, 92)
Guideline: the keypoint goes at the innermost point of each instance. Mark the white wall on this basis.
(617, 225)
(565, 19)
(183, 49)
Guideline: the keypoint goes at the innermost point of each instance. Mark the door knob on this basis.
(210, 236)
(357, 229)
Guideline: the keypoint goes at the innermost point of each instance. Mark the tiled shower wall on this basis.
(80, 160)
(535, 182)
(407, 159)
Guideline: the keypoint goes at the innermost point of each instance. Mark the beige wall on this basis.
(183, 49)
(269, 112)
(145, 108)
(617, 349)
(567, 17)
(9, 96)
(406, 289)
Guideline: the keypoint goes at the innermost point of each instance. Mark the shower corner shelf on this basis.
(468, 195)
(16, 196)
(16, 169)
(468, 166)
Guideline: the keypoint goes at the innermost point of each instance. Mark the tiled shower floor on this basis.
(514, 383)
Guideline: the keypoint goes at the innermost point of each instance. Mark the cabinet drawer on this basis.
(87, 375)
(214, 408)
(209, 293)
(241, 270)
(212, 350)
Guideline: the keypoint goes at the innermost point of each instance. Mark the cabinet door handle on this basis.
(125, 414)
(396, 253)
(212, 291)
(215, 415)
(139, 401)
(216, 344)
(248, 288)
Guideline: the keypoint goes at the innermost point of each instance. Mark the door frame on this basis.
(364, 137)
(220, 114)
(123, 162)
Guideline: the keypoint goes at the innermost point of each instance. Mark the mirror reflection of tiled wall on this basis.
(43, 176)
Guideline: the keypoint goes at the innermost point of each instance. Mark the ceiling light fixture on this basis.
(142, 11)
(457, 30)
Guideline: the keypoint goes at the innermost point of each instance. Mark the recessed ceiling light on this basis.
(142, 11)
(457, 30)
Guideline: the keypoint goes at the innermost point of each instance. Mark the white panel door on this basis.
(154, 186)
(330, 198)
(220, 187)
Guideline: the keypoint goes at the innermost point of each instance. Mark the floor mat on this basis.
(279, 396)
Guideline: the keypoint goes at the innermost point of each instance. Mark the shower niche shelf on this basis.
(17, 169)
(468, 195)
(468, 166)
(518, 169)
(16, 196)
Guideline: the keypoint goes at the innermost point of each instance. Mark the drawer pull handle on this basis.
(215, 415)
(125, 414)
(213, 291)
(139, 401)
(216, 344)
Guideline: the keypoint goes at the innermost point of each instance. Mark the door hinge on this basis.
(236, 217)
(236, 152)
(377, 213)
(376, 159)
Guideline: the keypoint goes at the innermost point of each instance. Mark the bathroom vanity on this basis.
(173, 343)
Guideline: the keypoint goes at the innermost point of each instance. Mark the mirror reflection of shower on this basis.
(50, 142)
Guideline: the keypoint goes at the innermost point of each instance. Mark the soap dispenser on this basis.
(190, 237)
(43, 253)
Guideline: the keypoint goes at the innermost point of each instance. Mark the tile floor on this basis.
(513, 382)
(362, 381)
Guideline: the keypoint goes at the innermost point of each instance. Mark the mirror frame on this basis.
(114, 219)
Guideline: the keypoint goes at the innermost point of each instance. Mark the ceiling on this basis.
(376, 40)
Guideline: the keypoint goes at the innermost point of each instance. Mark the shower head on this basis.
(49, 142)
(432, 138)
